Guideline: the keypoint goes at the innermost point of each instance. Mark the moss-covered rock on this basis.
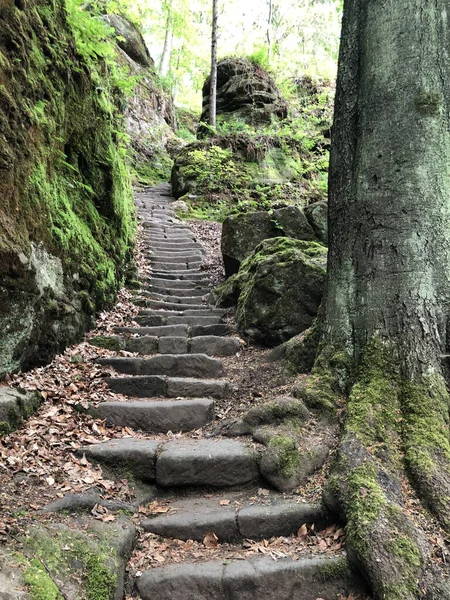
(241, 233)
(280, 289)
(245, 91)
(82, 558)
(66, 205)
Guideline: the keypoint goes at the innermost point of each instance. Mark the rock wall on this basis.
(66, 206)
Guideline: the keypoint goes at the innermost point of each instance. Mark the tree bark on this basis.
(385, 312)
(164, 63)
(269, 31)
(213, 85)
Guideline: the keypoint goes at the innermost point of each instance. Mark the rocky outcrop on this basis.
(150, 118)
(66, 207)
(278, 289)
(241, 233)
(245, 92)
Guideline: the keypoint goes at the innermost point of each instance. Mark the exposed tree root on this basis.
(392, 429)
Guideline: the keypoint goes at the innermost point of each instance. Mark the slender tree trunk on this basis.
(384, 316)
(213, 85)
(269, 32)
(164, 63)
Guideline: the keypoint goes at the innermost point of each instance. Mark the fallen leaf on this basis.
(211, 540)
(303, 531)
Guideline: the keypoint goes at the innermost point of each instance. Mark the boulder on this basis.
(241, 233)
(130, 39)
(317, 215)
(245, 91)
(281, 286)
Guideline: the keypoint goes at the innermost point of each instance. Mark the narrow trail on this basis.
(210, 489)
(133, 442)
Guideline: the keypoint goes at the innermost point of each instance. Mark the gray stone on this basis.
(241, 234)
(292, 222)
(283, 407)
(182, 582)
(165, 330)
(130, 39)
(173, 345)
(12, 582)
(179, 306)
(317, 215)
(192, 321)
(16, 405)
(206, 330)
(158, 416)
(176, 257)
(172, 299)
(216, 463)
(139, 387)
(281, 519)
(125, 456)
(183, 365)
(147, 344)
(182, 277)
(286, 579)
(197, 388)
(215, 345)
(194, 526)
(178, 292)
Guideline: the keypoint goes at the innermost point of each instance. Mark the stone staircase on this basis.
(172, 387)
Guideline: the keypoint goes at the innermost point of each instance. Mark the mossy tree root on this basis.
(392, 429)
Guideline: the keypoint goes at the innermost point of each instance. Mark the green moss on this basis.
(337, 570)
(428, 103)
(373, 407)
(5, 428)
(288, 456)
(110, 343)
(40, 584)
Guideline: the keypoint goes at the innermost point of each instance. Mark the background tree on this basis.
(384, 323)
(213, 88)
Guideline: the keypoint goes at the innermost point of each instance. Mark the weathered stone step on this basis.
(183, 284)
(175, 330)
(189, 264)
(195, 517)
(156, 416)
(173, 299)
(176, 256)
(159, 228)
(189, 308)
(172, 246)
(191, 276)
(156, 320)
(212, 463)
(308, 578)
(175, 292)
(158, 386)
(210, 345)
(176, 365)
(165, 330)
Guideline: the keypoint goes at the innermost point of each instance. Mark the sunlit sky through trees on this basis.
(304, 34)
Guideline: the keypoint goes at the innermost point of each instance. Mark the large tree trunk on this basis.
(384, 316)
(213, 86)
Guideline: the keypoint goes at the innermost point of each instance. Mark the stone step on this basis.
(173, 299)
(161, 265)
(182, 284)
(157, 227)
(308, 578)
(156, 416)
(175, 292)
(190, 277)
(210, 345)
(176, 365)
(175, 330)
(196, 516)
(180, 257)
(215, 463)
(189, 308)
(165, 330)
(171, 246)
(159, 386)
(156, 320)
